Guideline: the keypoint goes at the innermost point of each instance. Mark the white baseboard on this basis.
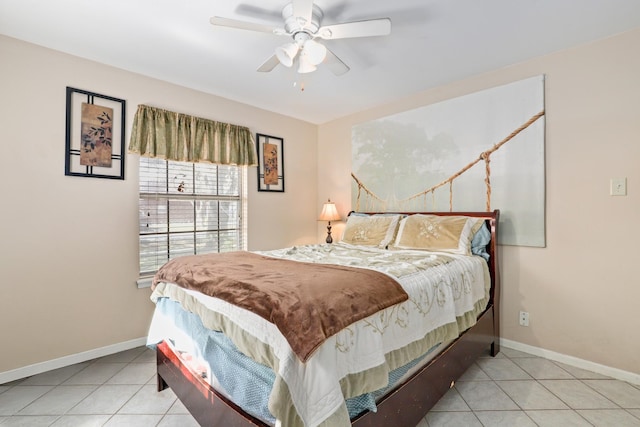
(38, 368)
(616, 373)
(72, 359)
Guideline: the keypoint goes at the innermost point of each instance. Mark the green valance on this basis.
(175, 136)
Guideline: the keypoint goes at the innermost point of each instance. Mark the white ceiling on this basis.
(432, 42)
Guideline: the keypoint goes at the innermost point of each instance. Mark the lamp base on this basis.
(329, 238)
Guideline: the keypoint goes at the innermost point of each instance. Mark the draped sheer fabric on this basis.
(181, 137)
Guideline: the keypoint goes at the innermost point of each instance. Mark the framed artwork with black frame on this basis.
(95, 131)
(270, 163)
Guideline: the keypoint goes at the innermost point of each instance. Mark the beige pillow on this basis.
(370, 230)
(437, 233)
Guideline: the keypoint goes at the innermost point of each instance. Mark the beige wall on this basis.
(68, 245)
(582, 291)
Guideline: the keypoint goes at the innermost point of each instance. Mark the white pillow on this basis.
(437, 233)
(370, 230)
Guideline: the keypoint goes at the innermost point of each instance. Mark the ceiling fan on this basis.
(302, 22)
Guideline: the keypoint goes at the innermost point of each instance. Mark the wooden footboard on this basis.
(206, 405)
(409, 403)
(404, 406)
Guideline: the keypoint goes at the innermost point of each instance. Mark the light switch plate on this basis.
(618, 186)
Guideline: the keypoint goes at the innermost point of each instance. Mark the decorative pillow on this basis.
(438, 233)
(480, 241)
(370, 230)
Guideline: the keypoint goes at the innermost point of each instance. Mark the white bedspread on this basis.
(441, 288)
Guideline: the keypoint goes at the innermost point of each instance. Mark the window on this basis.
(187, 209)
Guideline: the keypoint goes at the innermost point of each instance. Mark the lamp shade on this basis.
(329, 212)
(304, 65)
(286, 53)
(314, 51)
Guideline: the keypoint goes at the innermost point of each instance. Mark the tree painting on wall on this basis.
(398, 159)
(96, 146)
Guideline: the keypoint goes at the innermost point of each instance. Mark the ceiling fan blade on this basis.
(242, 25)
(335, 64)
(303, 9)
(269, 64)
(368, 28)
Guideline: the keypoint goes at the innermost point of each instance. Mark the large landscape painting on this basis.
(396, 159)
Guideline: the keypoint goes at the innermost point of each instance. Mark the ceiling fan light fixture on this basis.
(304, 65)
(303, 22)
(314, 51)
(287, 53)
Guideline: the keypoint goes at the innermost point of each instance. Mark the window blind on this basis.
(187, 209)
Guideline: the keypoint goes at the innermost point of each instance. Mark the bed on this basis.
(387, 378)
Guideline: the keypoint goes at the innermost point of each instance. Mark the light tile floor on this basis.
(514, 389)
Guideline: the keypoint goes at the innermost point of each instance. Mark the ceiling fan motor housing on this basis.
(295, 24)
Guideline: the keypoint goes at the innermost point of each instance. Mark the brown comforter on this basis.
(307, 302)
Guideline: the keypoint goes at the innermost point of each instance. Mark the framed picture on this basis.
(270, 163)
(94, 135)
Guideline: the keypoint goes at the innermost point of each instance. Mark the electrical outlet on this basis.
(618, 187)
(524, 318)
